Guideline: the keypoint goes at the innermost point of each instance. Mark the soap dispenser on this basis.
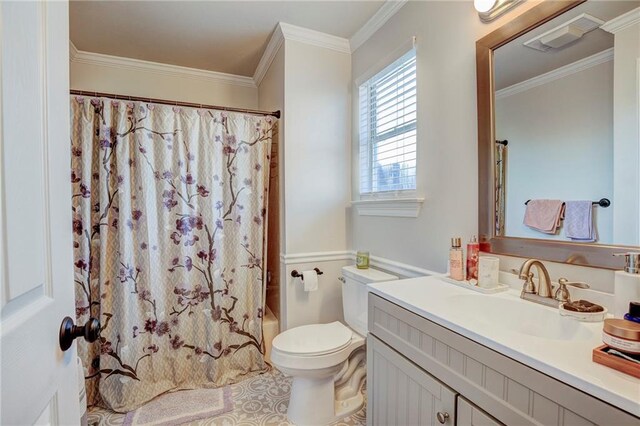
(627, 284)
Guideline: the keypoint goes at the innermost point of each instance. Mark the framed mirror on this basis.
(558, 142)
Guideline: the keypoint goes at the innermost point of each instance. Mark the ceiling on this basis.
(514, 62)
(222, 36)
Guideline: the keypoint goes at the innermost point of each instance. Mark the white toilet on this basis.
(327, 361)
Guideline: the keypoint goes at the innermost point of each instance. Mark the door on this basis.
(400, 393)
(38, 381)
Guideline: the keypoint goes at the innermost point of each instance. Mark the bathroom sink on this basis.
(516, 315)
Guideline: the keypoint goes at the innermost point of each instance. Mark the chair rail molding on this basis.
(398, 268)
(324, 256)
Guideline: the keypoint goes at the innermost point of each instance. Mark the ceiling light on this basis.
(484, 5)
(488, 10)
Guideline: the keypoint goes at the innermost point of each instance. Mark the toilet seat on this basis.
(333, 343)
(314, 340)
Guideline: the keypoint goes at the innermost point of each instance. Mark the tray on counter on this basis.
(615, 362)
(466, 284)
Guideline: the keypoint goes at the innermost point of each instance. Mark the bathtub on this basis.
(270, 329)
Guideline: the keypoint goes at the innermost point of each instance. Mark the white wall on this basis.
(318, 307)
(271, 98)
(316, 170)
(172, 86)
(311, 84)
(560, 146)
(317, 102)
(447, 131)
(627, 135)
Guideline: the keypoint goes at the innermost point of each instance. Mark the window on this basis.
(388, 129)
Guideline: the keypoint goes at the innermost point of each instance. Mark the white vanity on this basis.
(441, 354)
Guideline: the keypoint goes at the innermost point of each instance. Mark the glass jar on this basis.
(362, 260)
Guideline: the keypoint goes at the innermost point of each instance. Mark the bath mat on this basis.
(180, 407)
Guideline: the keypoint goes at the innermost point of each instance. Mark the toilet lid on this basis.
(315, 339)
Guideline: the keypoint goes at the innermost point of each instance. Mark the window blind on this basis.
(387, 114)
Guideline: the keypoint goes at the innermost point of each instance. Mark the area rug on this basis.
(259, 400)
(180, 407)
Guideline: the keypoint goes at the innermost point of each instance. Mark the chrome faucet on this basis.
(543, 292)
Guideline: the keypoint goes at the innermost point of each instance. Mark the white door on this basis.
(38, 381)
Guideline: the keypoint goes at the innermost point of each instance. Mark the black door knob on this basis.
(69, 331)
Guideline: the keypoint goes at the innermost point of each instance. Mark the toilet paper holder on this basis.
(296, 274)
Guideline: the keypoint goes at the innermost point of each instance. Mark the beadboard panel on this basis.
(400, 393)
(508, 390)
(470, 415)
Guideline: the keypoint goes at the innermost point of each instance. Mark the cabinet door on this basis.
(470, 415)
(400, 393)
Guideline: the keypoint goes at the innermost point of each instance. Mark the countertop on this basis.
(566, 360)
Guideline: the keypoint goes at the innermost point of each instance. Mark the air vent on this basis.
(566, 33)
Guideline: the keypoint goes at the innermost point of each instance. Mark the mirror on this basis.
(558, 121)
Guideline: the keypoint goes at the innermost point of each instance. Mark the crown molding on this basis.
(623, 21)
(572, 68)
(386, 11)
(277, 38)
(73, 51)
(314, 38)
(284, 31)
(99, 59)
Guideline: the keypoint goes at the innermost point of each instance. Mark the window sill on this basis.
(392, 207)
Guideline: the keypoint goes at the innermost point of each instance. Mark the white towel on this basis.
(578, 223)
(310, 280)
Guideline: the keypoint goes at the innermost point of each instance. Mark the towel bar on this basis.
(603, 202)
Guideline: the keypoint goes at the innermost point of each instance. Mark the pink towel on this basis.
(544, 215)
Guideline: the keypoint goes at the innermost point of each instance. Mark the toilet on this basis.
(327, 361)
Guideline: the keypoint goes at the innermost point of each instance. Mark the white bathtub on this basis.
(270, 329)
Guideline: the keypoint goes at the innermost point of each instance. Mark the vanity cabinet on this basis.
(403, 394)
(470, 415)
(417, 369)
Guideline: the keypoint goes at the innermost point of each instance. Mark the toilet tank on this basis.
(354, 295)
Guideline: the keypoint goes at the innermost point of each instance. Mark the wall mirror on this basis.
(558, 114)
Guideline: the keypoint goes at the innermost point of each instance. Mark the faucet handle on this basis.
(529, 286)
(562, 293)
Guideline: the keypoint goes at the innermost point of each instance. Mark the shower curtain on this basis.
(169, 208)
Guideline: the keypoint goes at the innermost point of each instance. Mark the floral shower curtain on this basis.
(169, 210)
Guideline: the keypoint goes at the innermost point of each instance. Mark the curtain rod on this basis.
(276, 114)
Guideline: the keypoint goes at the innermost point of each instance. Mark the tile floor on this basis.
(260, 400)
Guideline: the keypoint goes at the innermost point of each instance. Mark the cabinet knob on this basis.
(442, 417)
